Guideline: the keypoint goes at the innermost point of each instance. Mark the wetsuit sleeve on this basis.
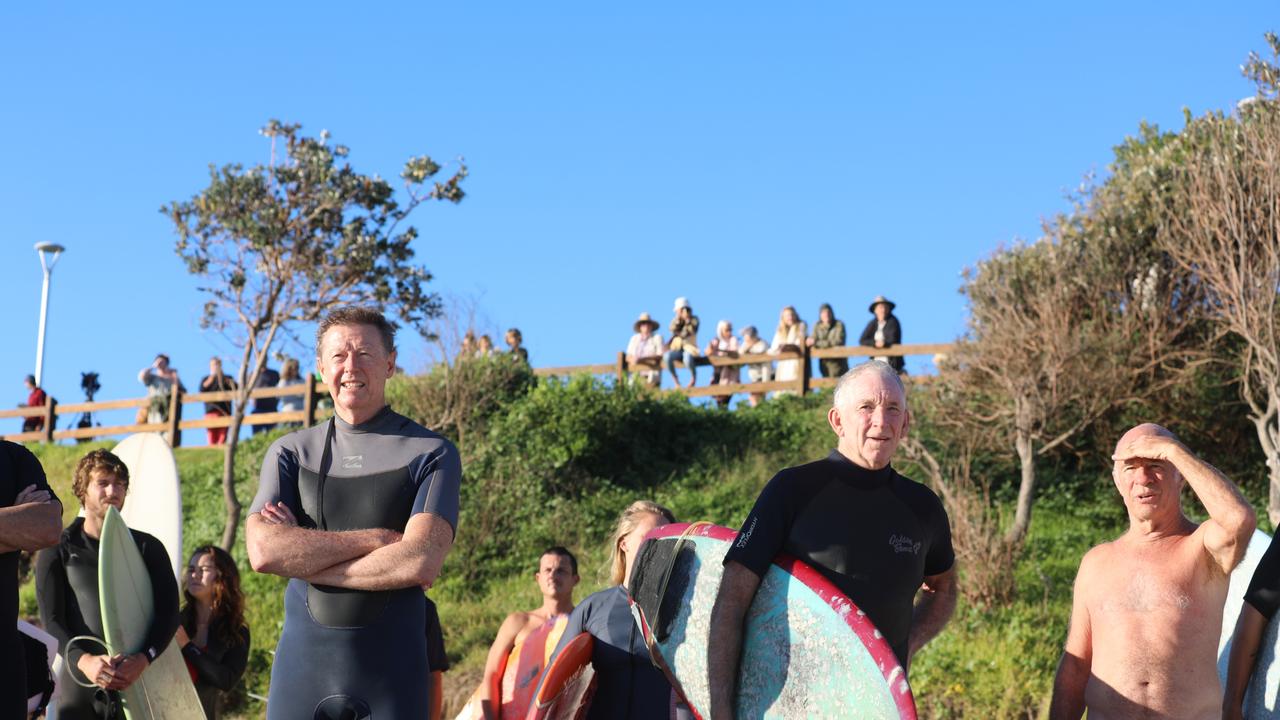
(51, 589)
(164, 596)
(765, 530)
(29, 470)
(441, 477)
(1264, 588)
(225, 673)
(437, 659)
(275, 463)
(941, 556)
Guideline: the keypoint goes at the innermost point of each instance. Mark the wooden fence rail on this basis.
(313, 392)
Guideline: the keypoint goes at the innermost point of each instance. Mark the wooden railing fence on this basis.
(313, 392)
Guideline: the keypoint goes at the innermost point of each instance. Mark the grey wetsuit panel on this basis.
(372, 644)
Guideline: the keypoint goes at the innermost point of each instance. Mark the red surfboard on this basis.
(568, 683)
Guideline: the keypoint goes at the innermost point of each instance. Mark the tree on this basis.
(283, 243)
(1221, 223)
(1062, 331)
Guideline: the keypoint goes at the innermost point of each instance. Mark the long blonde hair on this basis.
(782, 319)
(627, 522)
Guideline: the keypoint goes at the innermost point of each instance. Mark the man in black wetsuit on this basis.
(30, 519)
(874, 534)
(67, 591)
(359, 513)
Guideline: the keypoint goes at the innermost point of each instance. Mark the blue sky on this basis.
(745, 155)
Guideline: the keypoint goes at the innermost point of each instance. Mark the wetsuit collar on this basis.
(858, 475)
(368, 425)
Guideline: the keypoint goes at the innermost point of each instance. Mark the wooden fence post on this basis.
(49, 417)
(309, 402)
(622, 368)
(806, 373)
(175, 416)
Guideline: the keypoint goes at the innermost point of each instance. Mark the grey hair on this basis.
(720, 326)
(879, 367)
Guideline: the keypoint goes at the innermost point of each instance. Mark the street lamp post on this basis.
(49, 253)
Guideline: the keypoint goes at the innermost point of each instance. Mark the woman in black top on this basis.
(213, 634)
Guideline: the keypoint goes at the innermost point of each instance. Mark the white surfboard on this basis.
(1260, 699)
(154, 502)
(164, 690)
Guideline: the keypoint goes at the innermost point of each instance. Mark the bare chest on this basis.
(1172, 583)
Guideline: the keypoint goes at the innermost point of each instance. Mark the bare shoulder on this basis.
(1096, 562)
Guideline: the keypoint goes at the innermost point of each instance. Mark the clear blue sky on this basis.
(746, 155)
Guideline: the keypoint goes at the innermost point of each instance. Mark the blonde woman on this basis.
(627, 683)
(789, 337)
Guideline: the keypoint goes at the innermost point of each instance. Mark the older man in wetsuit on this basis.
(881, 538)
(359, 512)
(1147, 613)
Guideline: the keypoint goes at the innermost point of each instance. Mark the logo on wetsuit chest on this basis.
(352, 462)
(904, 544)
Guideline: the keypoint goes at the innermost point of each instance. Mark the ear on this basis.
(320, 369)
(391, 364)
(906, 422)
(836, 422)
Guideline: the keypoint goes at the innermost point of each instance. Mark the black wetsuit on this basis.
(18, 470)
(437, 659)
(351, 653)
(874, 534)
(67, 590)
(628, 685)
(219, 664)
(1264, 587)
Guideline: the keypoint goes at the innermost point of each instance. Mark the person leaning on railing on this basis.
(724, 345)
(884, 331)
(757, 372)
(828, 332)
(645, 350)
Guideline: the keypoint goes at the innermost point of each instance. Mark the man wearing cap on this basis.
(645, 349)
(883, 331)
(684, 341)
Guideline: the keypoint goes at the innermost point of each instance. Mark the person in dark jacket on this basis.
(884, 331)
(67, 592)
(829, 333)
(213, 635)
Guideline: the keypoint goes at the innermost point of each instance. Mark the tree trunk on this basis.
(1026, 489)
(229, 479)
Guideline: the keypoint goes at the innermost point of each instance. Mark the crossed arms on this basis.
(372, 559)
(34, 521)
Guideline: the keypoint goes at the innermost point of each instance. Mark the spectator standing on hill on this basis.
(359, 513)
(268, 378)
(1146, 611)
(628, 685)
(291, 376)
(789, 337)
(484, 348)
(882, 539)
(883, 331)
(828, 332)
(514, 338)
(556, 578)
(645, 350)
(467, 349)
(683, 345)
(724, 345)
(757, 372)
(67, 592)
(160, 380)
(212, 631)
(216, 381)
(30, 519)
(35, 398)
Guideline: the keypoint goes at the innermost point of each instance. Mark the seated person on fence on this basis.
(216, 381)
(556, 577)
(160, 380)
(645, 350)
(883, 331)
(724, 345)
(35, 398)
(683, 345)
(828, 333)
(756, 372)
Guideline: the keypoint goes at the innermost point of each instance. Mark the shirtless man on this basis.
(557, 576)
(1147, 612)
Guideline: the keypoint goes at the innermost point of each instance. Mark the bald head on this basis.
(1144, 430)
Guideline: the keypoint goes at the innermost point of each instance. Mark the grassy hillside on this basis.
(553, 464)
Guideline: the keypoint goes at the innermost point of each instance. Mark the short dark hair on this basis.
(162, 355)
(97, 460)
(358, 315)
(30, 379)
(562, 551)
